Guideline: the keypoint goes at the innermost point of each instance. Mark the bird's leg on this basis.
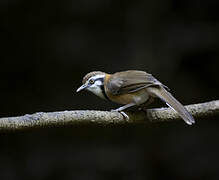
(120, 109)
(124, 107)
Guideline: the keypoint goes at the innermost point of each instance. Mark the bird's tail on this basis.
(164, 95)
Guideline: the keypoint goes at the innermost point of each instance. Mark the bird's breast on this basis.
(138, 97)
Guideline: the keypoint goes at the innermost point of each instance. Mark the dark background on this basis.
(48, 46)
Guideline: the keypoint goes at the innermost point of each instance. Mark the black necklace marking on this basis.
(102, 87)
(104, 92)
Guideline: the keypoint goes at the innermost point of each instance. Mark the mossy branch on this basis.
(79, 117)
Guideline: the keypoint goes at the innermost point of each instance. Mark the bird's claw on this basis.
(121, 112)
(124, 115)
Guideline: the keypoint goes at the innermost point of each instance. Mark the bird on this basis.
(132, 88)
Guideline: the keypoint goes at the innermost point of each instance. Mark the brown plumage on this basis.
(130, 81)
(132, 88)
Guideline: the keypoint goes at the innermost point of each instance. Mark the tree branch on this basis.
(80, 117)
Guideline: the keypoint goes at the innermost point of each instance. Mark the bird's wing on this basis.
(131, 81)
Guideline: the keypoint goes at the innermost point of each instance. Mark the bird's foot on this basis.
(121, 112)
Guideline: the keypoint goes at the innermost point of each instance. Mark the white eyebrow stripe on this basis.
(97, 77)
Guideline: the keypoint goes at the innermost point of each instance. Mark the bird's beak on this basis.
(84, 86)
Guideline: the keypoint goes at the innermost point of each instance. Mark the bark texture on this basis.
(80, 117)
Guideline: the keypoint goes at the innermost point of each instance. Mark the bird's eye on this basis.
(91, 81)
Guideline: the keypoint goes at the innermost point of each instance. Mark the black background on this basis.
(48, 46)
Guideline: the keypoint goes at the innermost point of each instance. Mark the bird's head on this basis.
(94, 82)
